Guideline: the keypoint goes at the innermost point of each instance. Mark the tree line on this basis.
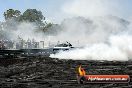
(30, 15)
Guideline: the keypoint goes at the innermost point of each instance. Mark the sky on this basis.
(57, 10)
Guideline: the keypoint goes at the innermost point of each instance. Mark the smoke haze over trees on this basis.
(14, 19)
(96, 34)
(32, 23)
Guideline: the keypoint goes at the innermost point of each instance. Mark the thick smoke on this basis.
(119, 47)
(103, 36)
(105, 41)
(94, 26)
(28, 30)
(13, 30)
(81, 31)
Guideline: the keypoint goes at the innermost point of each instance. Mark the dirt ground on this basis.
(45, 72)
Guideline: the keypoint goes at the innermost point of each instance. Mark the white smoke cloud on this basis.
(23, 30)
(107, 37)
(93, 52)
(28, 30)
(119, 47)
(83, 31)
(102, 37)
(123, 42)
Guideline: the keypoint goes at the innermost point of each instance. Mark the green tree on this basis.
(32, 15)
(11, 13)
(47, 26)
(51, 29)
(14, 17)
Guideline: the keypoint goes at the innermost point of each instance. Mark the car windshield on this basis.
(61, 45)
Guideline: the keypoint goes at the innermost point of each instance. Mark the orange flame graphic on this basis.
(81, 71)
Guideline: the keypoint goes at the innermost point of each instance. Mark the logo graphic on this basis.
(83, 78)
